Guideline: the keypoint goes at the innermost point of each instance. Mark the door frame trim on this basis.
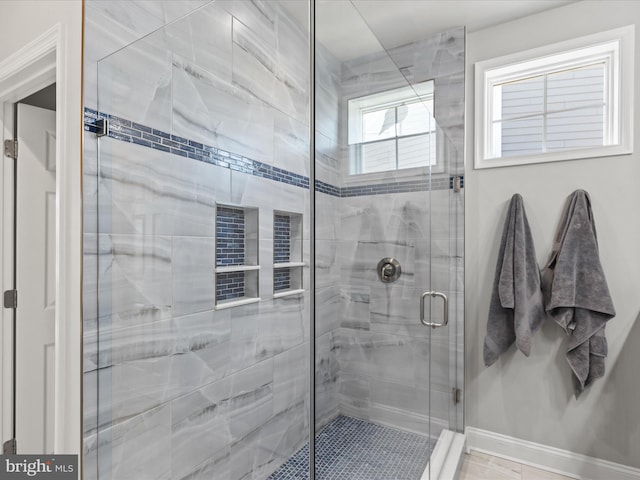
(36, 65)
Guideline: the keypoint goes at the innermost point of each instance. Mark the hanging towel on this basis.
(576, 293)
(516, 309)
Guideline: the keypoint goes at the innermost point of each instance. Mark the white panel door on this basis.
(35, 264)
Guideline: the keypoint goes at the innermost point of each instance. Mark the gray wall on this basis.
(531, 398)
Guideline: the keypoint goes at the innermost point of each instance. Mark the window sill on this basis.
(402, 175)
(577, 154)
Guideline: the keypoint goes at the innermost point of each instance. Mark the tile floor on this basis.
(480, 466)
(351, 449)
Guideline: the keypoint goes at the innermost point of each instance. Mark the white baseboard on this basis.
(547, 458)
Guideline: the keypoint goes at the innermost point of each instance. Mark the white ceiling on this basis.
(352, 28)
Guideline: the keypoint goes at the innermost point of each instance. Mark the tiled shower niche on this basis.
(287, 254)
(237, 265)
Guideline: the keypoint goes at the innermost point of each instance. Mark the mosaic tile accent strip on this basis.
(229, 236)
(229, 285)
(396, 187)
(328, 189)
(349, 448)
(281, 238)
(281, 279)
(132, 132)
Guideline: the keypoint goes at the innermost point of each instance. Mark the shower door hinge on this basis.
(102, 127)
(10, 299)
(11, 149)
(10, 447)
(457, 184)
(457, 396)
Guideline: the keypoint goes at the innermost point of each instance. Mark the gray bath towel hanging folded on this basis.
(516, 309)
(576, 293)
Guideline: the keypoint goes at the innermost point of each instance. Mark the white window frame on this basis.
(613, 47)
(423, 91)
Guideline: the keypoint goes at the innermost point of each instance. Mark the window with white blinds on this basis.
(564, 105)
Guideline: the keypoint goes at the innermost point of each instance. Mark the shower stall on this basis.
(273, 244)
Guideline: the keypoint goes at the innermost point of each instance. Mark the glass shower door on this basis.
(199, 357)
(383, 387)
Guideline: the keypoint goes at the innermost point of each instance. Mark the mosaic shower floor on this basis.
(351, 449)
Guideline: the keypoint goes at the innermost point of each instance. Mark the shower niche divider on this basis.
(287, 254)
(237, 262)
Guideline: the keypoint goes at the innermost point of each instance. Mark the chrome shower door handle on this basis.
(445, 318)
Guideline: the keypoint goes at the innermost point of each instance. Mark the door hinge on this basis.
(457, 184)
(457, 395)
(10, 447)
(10, 299)
(11, 148)
(102, 127)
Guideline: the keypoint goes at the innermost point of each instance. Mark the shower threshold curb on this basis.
(446, 458)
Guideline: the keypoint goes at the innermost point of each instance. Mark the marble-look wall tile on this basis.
(439, 55)
(328, 163)
(399, 216)
(290, 144)
(326, 379)
(145, 366)
(265, 60)
(327, 82)
(139, 447)
(262, 330)
(328, 309)
(150, 192)
(249, 190)
(134, 280)
(328, 218)
(217, 465)
(291, 377)
(89, 283)
(264, 449)
(90, 457)
(375, 72)
(90, 399)
(360, 258)
(327, 260)
(204, 39)
(210, 110)
(251, 402)
(200, 427)
(381, 355)
(356, 307)
(414, 399)
(354, 395)
(135, 83)
(193, 274)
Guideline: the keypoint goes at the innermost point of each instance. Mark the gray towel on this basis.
(516, 309)
(576, 292)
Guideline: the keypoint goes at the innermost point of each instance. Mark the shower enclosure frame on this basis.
(454, 420)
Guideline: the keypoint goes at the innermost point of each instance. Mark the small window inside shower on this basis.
(393, 130)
